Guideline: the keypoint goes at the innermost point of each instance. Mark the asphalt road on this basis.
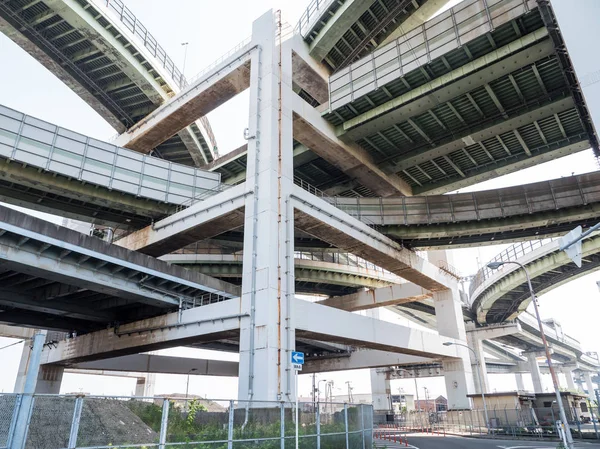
(449, 442)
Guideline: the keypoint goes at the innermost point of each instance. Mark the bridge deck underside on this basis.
(55, 278)
(516, 110)
(364, 35)
(510, 302)
(89, 70)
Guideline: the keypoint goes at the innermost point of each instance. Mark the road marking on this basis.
(525, 447)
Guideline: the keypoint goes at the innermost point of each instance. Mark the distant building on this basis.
(439, 404)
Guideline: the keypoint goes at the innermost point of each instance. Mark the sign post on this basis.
(297, 362)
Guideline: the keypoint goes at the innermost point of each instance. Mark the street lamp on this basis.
(185, 45)
(485, 411)
(319, 393)
(187, 387)
(563, 416)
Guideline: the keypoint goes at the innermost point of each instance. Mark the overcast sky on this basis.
(211, 29)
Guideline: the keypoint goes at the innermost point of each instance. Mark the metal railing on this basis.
(341, 258)
(311, 14)
(512, 253)
(131, 22)
(139, 31)
(100, 422)
(217, 61)
(537, 197)
(337, 202)
(505, 422)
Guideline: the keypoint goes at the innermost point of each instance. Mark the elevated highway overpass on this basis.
(56, 170)
(504, 99)
(106, 56)
(499, 295)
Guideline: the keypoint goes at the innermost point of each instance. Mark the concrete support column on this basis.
(49, 379)
(23, 367)
(144, 386)
(381, 391)
(589, 385)
(267, 334)
(520, 382)
(457, 372)
(569, 377)
(477, 345)
(536, 375)
(29, 387)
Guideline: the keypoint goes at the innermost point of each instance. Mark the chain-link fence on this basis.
(523, 422)
(92, 422)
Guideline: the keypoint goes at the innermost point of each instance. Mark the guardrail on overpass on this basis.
(37, 143)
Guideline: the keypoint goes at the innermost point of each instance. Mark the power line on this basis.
(12, 344)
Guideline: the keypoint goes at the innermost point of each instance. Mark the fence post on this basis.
(164, 423)
(13, 422)
(593, 418)
(25, 409)
(75, 423)
(346, 425)
(230, 427)
(362, 424)
(318, 426)
(281, 425)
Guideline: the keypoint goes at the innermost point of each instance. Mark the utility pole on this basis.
(350, 398)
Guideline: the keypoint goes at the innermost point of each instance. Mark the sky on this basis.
(211, 29)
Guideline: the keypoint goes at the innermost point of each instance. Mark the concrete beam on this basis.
(149, 363)
(159, 364)
(308, 79)
(494, 331)
(16, 332)
(324, 221)
(211, 90)
(319, 322)
(336, 27)
(320, 136)
(205, 219)
(207, 323)
(379, 297)
(361, 359)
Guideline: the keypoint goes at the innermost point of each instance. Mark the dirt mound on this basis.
(103, 422)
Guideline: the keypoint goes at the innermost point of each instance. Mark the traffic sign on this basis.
(297, 358)
(297, 366)
(571, 243)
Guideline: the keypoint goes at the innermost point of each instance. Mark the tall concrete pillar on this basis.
(589, 385)
(536, 374)
(267, 334)
(520, 381)
(49, 379)
(23, 367)
(569, 377)
(479, 372)
(458, 374)
(144, 386)
(19, 437)
(380, 391)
